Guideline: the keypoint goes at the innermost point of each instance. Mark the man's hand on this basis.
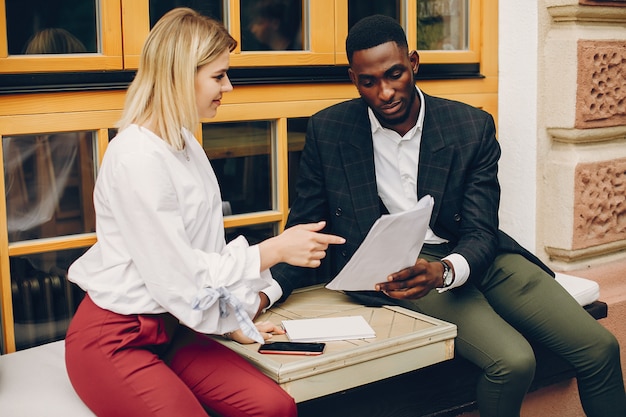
(413, 282)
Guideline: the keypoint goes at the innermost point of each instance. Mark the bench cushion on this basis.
(585, 291)
(33, 382)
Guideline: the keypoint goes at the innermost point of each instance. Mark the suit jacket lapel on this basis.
(434, 161)
(357, 154)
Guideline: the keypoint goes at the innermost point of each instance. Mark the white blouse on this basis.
(161, 245)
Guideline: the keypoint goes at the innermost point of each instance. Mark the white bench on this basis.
(33, 382)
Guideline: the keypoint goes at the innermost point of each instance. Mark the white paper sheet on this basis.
(328, 328)
(393, 243)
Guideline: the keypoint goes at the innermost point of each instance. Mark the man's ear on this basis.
(414, 58)
(352, 76)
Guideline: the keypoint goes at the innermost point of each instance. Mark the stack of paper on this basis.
(328, 328)
(393, 243)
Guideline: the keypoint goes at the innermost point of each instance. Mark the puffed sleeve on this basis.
(208, 291)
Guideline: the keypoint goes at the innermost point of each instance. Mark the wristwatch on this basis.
(448, 275)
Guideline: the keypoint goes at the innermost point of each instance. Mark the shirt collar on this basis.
(375, 124)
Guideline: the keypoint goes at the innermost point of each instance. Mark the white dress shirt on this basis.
(160, 233)
(396, 160)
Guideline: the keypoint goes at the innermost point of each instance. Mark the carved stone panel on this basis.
(599, 203)
(601, 87)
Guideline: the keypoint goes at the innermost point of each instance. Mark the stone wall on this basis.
(582, 197)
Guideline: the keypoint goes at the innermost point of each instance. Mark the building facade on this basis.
(562, 125)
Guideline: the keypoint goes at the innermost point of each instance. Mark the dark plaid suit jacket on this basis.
(458, 166)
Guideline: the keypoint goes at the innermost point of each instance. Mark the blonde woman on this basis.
(161, 276)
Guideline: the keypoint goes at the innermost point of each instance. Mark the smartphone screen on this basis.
(293, 348)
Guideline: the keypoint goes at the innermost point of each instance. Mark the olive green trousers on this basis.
(496, 316)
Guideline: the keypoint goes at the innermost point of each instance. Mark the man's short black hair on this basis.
(372, 31)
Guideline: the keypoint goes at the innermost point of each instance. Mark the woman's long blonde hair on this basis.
(163, 91)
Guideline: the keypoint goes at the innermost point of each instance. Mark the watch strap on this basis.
(447, 281)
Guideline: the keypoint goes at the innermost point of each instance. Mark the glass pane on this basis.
(112, 132)
(358, 9)
(254, 234)
(44, 300)
(49, 180)
(442, 25)
(51, 26)
(296, 132)
(241, 157)
(211, 8)
(271, 25)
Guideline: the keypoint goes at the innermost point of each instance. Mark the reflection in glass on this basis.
(296, 132)
(51, 26)
(44, 300)
(211, 8)
(358, 9)
(271, 25)
(442, 25)
(49, 181)
(240, 154)
(54, 41)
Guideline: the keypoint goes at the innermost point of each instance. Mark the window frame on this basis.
(409, 14)
(22, 117)
(124, 24)
(109, 36)
(135, 17)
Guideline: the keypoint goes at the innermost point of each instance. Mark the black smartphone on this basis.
(293, 348)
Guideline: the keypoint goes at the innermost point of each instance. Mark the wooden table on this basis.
(405, 341)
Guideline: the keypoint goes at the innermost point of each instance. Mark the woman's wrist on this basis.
(270, 252)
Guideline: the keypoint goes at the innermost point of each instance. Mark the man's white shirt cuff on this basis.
(461, 271)
(273, 292)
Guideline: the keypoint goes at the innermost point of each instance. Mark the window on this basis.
(443, 31)
(211, 8)
(358, 9)
(51, 147)
(60, 35)
(43, 299)
(308, 27)
(293, 32)
(271, 25)
(51, 27)
(442, 25)
(296, 132)
(48, 183)
(241, 156)
(254, 233)
(302, 34)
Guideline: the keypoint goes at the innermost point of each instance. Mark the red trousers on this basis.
(149, 365)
